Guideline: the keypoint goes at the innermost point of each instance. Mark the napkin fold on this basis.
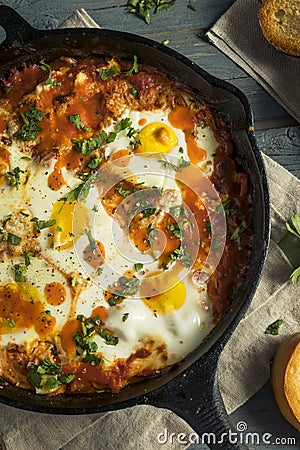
(244, 364)
(237, 33)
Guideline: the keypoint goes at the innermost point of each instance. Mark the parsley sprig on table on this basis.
(293, 226)
(143, 7)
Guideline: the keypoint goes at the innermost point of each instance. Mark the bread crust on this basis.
(280, 24)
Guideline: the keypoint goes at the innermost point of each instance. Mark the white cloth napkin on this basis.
(243, 368)
(237, 33)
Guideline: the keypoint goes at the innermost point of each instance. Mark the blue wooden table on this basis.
(277, 133)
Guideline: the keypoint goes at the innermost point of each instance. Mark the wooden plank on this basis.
(260, 415)
(283, 145)
(42, 13)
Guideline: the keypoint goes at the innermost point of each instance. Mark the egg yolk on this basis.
(71, 218)
(63, 213)
(22, 307)
(156, 137)
(172, 297)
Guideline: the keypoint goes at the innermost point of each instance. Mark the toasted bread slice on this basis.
(280, 24)
(285, 377)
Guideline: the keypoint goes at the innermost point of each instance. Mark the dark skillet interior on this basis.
(221, 96)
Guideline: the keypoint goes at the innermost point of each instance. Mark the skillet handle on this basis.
(15, 27)
(195, 397)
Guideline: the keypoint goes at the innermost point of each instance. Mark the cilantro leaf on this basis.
(19, 273)
(14, 177)
(273, 328)
(41, 224)
(109, 339)
(236, 235)
(77, 122)
(87, 146)
(295, 276)
(294, 225)
(30, 128)
(79, 193)
(105, 74)
(123, 192)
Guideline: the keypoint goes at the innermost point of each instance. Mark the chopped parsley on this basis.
(14, 177)
(166, 164)
(41, 224)
(99, 271)
(47, 69)
(27, 256)
(151, 238)
(84, 339)
(236, 235)
(273, 328)
(123, 192)
(178, 229)
(138, 267)
(38, 375)
(7, 89)
(135, 92)
(105, 74)
(180, 254)
(134, 67)
(148, 212)
(87, 146)
(109, 339)
(12, 238)
(125, 317)
(20, 271)
(224, 208)
(129, 286)
(11, 323)
(7, 219)
(94, 162)
(30, 128)
(77, 122)
(92, 242)
(123, 124)
(177, 211)
(143, 8)
(79, 193)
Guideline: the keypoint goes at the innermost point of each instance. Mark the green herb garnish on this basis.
(138, 267)
(87, 146)
(14, 177)
(180, 254)
(19, 273)
(142, 8)
(105, 74)
(273, 328)
(125, 317)
(13, 239)
(41, 224)
(123, 192)
(79, 193)
(47, 69)
(77, 122)
(30, 128)
(236, 235)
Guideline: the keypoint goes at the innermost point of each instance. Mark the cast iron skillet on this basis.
(190, 389)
